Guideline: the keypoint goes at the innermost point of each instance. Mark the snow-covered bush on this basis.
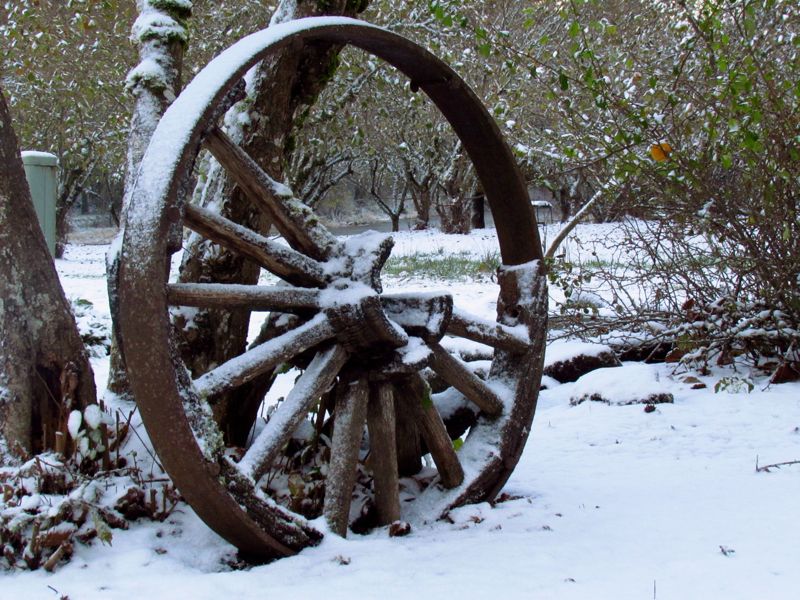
(50, 503)
(684, 116)
(700, 135)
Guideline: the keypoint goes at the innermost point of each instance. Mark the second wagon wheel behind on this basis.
(363, 354)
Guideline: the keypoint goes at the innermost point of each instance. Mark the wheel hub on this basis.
(386, 334)
(361, 324)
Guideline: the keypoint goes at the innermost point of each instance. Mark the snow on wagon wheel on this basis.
(378, 387)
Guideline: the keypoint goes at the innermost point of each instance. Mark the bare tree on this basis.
(388, 188)
(315, 173)
(44, 369)
(458, 184)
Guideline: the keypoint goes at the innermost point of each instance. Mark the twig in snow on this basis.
(766, 468)
(147, 448)
(50, 564)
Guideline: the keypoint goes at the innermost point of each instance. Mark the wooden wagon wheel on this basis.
(363, 352)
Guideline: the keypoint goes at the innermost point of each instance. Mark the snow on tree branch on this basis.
(160, 25)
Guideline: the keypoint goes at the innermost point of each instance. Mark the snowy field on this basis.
(608, 502)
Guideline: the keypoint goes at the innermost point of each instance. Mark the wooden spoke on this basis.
(264, 357)
(348, 429)
(422, 315)
(291, 217)
(454, 372)
(252, 297)
(409, 444)
(435, 435)
(383, 453)
(284, 262)
(325, 408)
(491, 333)
(313, 383)
(441, 448)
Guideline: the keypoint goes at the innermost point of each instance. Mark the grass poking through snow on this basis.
(443, 266)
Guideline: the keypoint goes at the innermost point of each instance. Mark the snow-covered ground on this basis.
(608, 501)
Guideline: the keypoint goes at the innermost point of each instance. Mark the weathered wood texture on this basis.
(251, 364)
(44, 369)
(522, 300)
(421, 315)
(435, 434)
(409, 439)
(456, 373)
(292, 218)
(348, 430)
(237, 417)
(220, 295)
(364, 325)
(495, 335)
(284, 262)
(382, 428)
(313, 383)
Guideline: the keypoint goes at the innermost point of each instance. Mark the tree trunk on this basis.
(478, 218)
(422, 195)
(72, 184)
(153, 93)
(454, 206)
(454, 215)
(395, 222)
(286, 85)
(564, 204)
(44, 370)
(62, 229)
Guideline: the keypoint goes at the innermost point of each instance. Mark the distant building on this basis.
(542, 201)
(544, 211)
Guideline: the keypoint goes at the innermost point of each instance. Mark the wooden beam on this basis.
(456, 373)
(291, 217)
(490, 333)
(252, 297)
(348, 429)
(284, 262)
(306, 393)
(262, 358)
(383, 453)
(422, 315)
(435, 435)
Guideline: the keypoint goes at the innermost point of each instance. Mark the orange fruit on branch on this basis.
(660, 152)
